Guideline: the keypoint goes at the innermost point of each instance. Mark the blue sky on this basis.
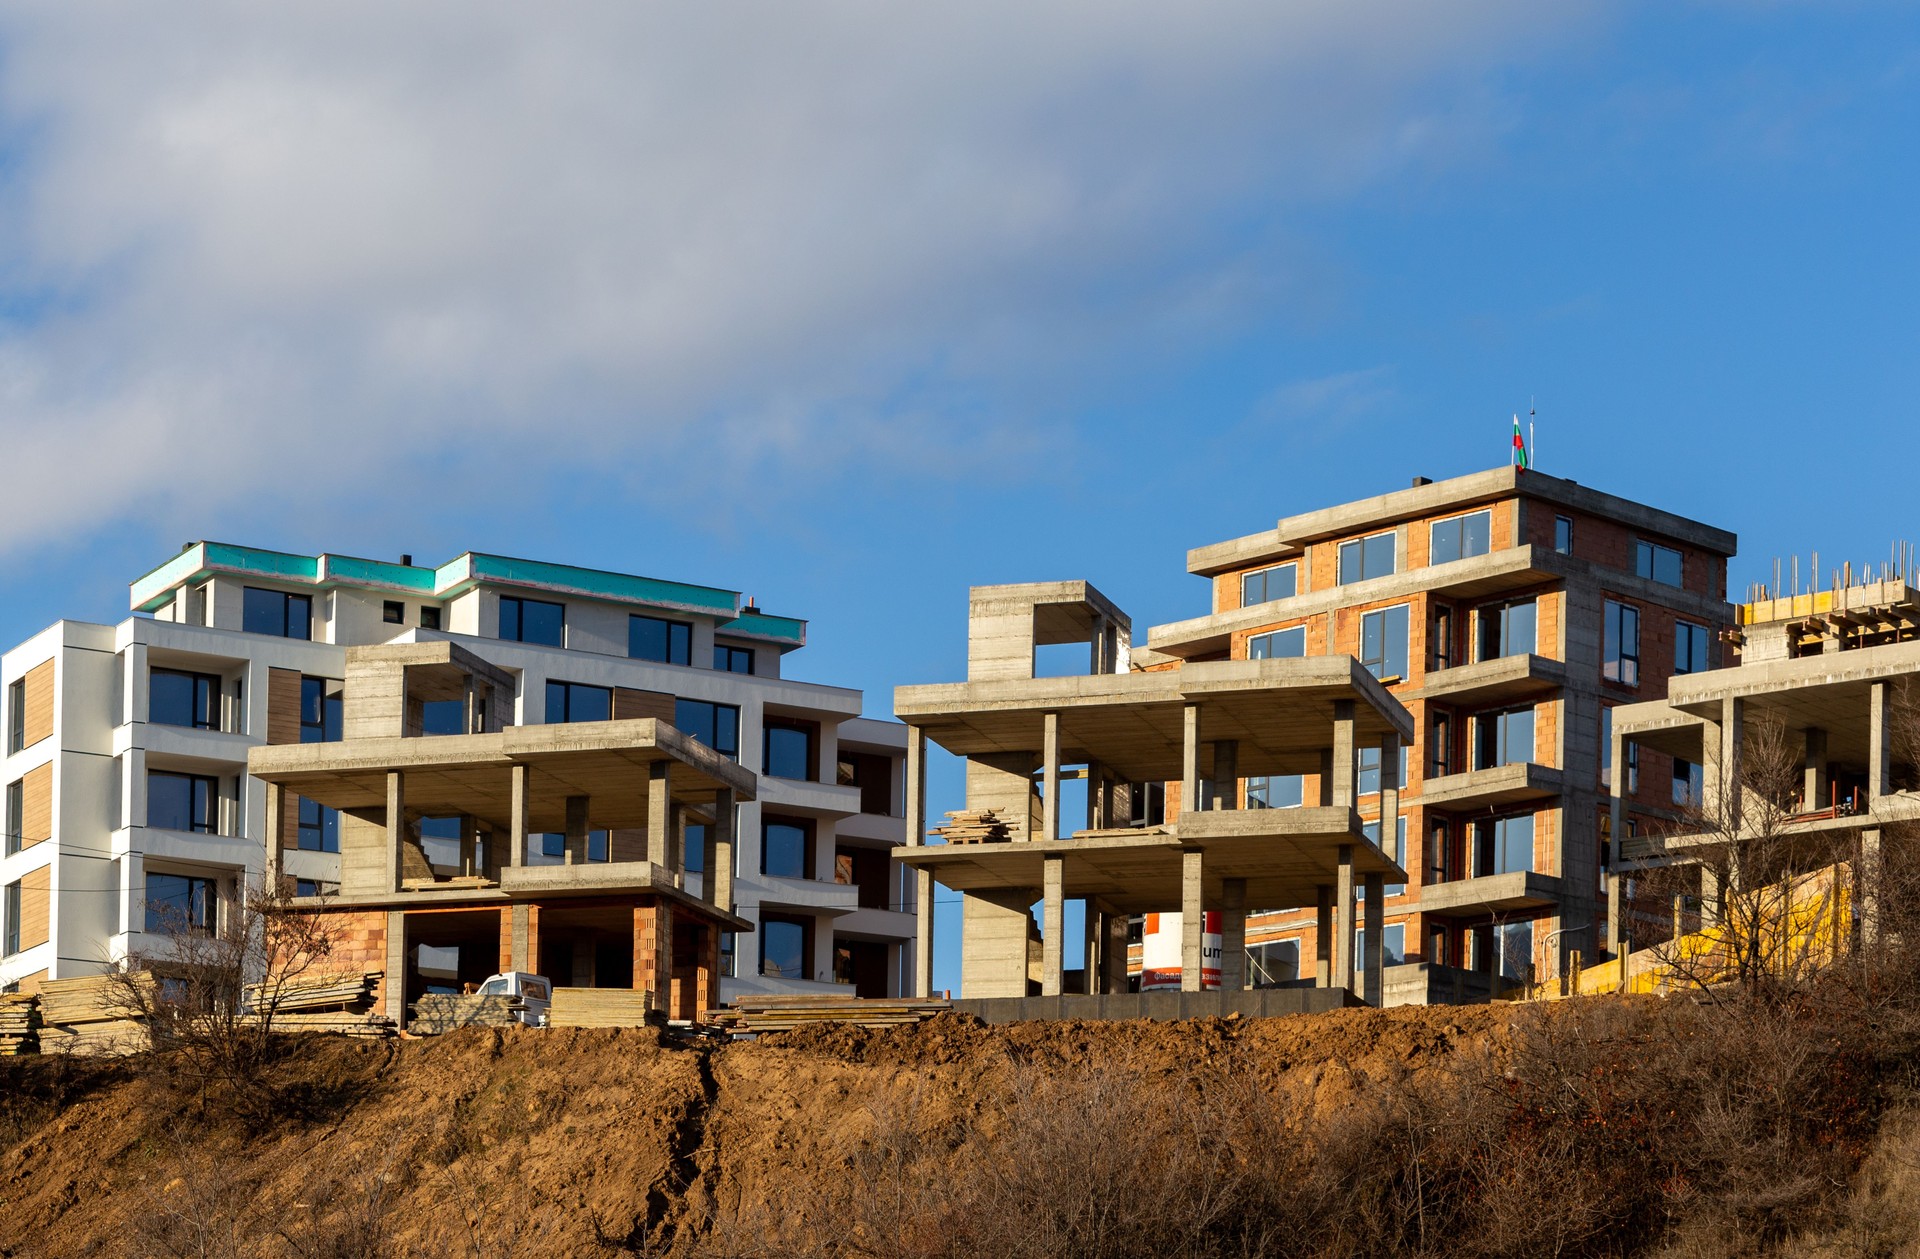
(851, 307)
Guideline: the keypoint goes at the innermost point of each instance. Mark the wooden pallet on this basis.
(599, 1007)
(753, 1015)
(443, 1012)
(973, 826)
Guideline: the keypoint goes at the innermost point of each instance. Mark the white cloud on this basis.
(249, 236)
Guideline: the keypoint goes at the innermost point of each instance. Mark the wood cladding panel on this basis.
(35, 904)
(629, 704)
(36, 806)
(38, 704)
(283, 706)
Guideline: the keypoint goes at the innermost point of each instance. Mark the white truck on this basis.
(533, 993)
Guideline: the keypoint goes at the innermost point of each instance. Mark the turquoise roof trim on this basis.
(203, 559)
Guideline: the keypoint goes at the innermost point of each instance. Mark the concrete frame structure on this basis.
(81, 851)
(1201, 728)
(1569, 554)
(1828, 670)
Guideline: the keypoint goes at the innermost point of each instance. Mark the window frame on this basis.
(808, 834)
(520, 604)
(1499, 616)
(725, 655)
(804, 924)
(714, 708)
(1501, 722)
(1360, 550)
(286, 598)
(1690, 633)
(1491, 845)
(771, 724)
(16, 715)
(1647, 562)
(1268, 639)
(429, 617)
(677, 637)
(1433, 536)
(1406, 627)
(10, 904)
(14, 820)
(1563, 535)
(1620, 664)
(206, 888)
(566, 691)
(332, 709)
(194, 784)
(325, 826)
(393, 612)
(1265, 577)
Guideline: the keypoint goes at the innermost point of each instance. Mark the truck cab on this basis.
(534, 993)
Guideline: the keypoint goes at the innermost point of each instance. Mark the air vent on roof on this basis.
(1422, 480)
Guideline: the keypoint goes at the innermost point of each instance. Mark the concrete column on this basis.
(1113, 953)
(520, 919)
(1710, 894)
(1720, 767)
(1053, 925)
(396, 976)
(1390, 785)
(1092, 937)
(396, 825)
(1050, 776)
(1190, 762)
(719, 852)
(677, 853)
(1343, 919)
(1814, 790)
(1323, 937)
(1233, 935)
(271, 836)
(1879, 746)
(522, 791)
(922, 879)
(1343, 755)
(1192, 917)
(1869, 884)
(1224, 791)
(1617, 824)
(659, 815)
(577, 827)
(1376, 919)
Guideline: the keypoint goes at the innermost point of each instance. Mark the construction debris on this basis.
(599, 1007)
(94, 1014)
(19, 1024)
(334, 1002)
(973, 826)
(753, 1015)
(439, 1012)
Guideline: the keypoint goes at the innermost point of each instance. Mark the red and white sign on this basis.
(1160, 952)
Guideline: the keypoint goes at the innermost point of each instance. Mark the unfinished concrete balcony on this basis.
(1518, 891)
(1496, 788)
(1490, 683)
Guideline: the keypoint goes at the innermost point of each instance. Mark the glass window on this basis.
(183, 802)
(183, 699)
(784, 945)
(533, 621)
(1513, 950)
(1273, 964)
(1508, 629)
(15, 820)
(1383, 642)
(1399, 852)
(1657, 563)
(1268, 584)
(1365, 558)
(17, 715)
(662, 641)
(575, 701)
(1563, 534)
(319, 827)
(789, 750)
(1441, 745)
(430, 618)
(1280, 644)
(1287, 791)
(552, 843)
(393, 612)
(1503, 845)
(306, 887)
(1689, 647)
(1633, 768)
(1461, 537)
(443, 717)
(786, 848)
(180, 902)
(695, 856)
(1366, 777)
(732, 659)
(716, 725)
(1687, 783)
(11, 912)
(276, 612)
(319, 710)
(1621, 663)
(1393, 944)
(599, 846)
(1606, 746)
(1503, 738)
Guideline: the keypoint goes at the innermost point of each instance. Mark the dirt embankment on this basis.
(949, 1138)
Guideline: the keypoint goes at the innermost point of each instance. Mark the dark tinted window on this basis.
(785, 849)
(1364, 558)
(319, 827)
(1657, 563)
(319, 710)
(667, 642)
(1461, 537)
(733, 659)
(1286, 643)
(276, 612)
(716, 725)
(182, 802)
(573, 701)
(393, 612)
(783, 948)
(183, 699)
(533, 621)
(179, 902)
(1268, 584)
(789, 750)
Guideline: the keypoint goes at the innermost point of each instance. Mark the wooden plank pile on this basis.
(599, 1007)
(973, 826)
(91, 1015)
(338, 1001)
(439, 1012)
(19, 1024)
(753, 1015)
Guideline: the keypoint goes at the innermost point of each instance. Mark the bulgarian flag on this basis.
(1520, 457)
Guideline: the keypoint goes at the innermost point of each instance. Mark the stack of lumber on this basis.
(338, 1001)
(973, 826)
(19, 1024)
(443, 1012)
(753, 1015)
(91, 1015)
(599, 1007)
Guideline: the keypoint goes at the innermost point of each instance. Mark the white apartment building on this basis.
(127, 802)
